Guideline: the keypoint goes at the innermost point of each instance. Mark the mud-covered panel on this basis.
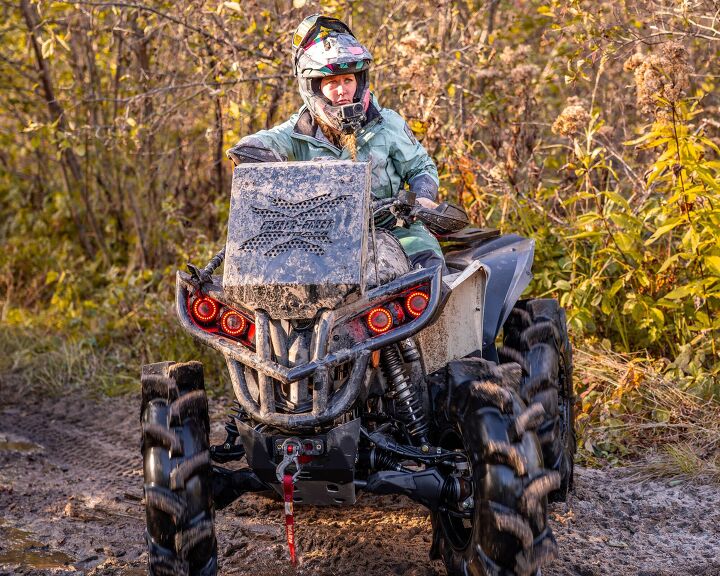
(458, 331)
(297, 235)
(386, 259)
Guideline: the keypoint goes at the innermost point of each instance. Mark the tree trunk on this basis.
(71, 166)
(219, 159)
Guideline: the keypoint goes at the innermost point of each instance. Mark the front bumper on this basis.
(326, 407)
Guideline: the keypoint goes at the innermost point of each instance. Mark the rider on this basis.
(341, 119)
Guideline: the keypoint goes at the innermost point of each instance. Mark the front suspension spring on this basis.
(408, 404)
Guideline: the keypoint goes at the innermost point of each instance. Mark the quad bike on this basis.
(355, 372)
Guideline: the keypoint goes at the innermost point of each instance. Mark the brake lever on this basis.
(198, 276)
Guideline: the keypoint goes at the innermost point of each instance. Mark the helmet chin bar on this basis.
(347, 118)
(351, 117)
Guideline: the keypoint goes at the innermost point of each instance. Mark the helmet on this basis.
(325, 46)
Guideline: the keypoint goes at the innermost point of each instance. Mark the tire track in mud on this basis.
(79, 492)
(71, 505)
(89, 435)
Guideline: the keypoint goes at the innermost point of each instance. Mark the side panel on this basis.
(510, 273)
(458, 330)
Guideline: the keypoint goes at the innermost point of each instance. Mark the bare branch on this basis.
(164, 15)
(172, 88)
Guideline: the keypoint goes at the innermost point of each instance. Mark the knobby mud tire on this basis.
(507, 533)
(178, 484)
(535, 336)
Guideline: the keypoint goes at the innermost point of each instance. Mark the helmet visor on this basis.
(316, 27)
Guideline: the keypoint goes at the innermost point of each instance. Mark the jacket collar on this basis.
(307, 126)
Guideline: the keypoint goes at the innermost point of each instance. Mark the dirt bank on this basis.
(71, 503)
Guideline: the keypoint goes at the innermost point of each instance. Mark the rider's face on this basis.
(339, 89)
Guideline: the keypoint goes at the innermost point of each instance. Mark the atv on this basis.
(355, 372)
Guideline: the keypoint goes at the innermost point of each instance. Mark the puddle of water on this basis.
(19, 447)
(18, 547)
(13, 444)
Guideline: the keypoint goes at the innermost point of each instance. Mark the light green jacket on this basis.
(386, 141)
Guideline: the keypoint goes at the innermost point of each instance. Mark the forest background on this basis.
(590, 126)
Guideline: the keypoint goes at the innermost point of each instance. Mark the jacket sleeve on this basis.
(412, 163)
(277, 138)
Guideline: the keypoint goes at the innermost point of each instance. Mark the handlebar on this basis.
(378, 205)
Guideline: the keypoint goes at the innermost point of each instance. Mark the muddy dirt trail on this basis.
(71, 503)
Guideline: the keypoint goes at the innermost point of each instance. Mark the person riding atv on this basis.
(362, 357)
(342, 119)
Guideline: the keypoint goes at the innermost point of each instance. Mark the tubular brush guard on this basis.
(326, 407)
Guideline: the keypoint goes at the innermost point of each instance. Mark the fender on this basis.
(508, 261)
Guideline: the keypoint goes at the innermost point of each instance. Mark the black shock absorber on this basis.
(408, 404)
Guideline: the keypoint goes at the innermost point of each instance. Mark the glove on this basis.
(423, 186)
(252, 149)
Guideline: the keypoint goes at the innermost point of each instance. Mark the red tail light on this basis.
(405, 307)
(205, 310)
(233, 323)
(416, 302)
(379, 320)
(215, 317)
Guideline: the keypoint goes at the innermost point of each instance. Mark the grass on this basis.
(683, 461)
(41, 363)
(632, 411)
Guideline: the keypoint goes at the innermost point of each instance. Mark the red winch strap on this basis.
(289, 517)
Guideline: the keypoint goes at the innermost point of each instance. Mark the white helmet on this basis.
(325, 46)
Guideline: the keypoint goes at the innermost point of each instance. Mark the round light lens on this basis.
(233, 323)
(205, 309)
(379, 320)
(416, 302)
